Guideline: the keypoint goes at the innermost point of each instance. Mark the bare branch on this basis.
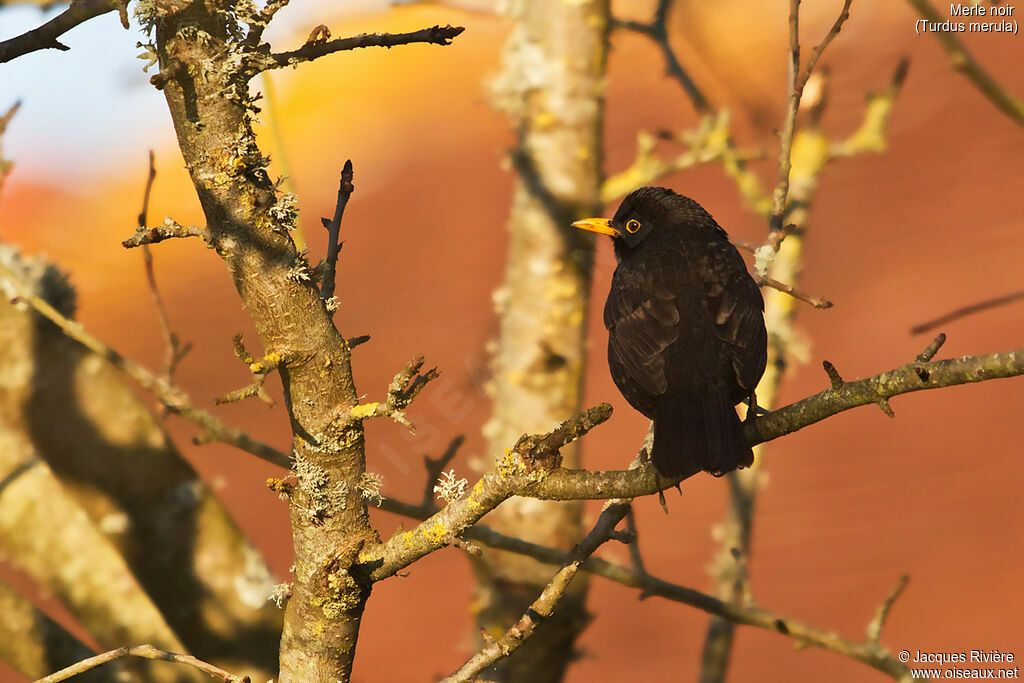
(965, 311)
(436, 35)
(259, 369)
(175, 351)
(635, 576)
(45, 36)
(657, 30)
(143, 652)
(961, 60)
(170, 228)
(709, 142)
(175, 400)
(544, 606)
(797, 83)
(819, 303)
(526, 465)
(333, 226)
(833, 375)
(931, 349)
(874, 632)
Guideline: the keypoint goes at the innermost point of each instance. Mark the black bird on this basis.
(686, 335)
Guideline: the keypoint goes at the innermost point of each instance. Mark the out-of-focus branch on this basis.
(552, 86)
(798, 81)
(435, 35)
(175, 351)
(657, 30)
(870, 652)
(709, 142)
(115, 461)
(33, 643)
(961, 60)
(780, 258)
(5, 165)
(171, 397)
(48, 536)
(874, 630)
(965, 311)
(45, 36)
(142, 652)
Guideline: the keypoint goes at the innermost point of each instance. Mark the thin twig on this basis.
(169, 229)
(817, 302)
(174, 399)
(45, 36)
(870, 653)
(174, 351)
(962, 61)
(345, 188)
(931, 349)
(435, 35)
(657, 30)
(143, 652)
(874, 631)
(965, 311)
(797, 83)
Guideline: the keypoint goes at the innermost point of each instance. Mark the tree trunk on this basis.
(552, 87)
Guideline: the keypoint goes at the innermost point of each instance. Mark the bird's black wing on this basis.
(642, 318)
(737, 310)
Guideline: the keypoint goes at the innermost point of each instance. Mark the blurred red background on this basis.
(934, 223)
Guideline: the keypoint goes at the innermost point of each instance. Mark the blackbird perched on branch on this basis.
(686, 335)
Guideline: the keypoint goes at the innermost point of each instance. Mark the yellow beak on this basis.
(601, 225)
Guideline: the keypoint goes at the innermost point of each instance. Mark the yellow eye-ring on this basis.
(633, 226)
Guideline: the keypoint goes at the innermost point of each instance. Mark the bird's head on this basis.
(642, 213)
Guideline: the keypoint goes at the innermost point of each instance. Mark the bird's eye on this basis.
(633, 226)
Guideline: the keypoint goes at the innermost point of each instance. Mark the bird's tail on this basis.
(694, 432)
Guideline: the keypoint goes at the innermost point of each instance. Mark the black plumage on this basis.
(686, 334)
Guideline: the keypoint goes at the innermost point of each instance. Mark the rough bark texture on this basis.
(114, 459)
(552, 86)
(205, 73)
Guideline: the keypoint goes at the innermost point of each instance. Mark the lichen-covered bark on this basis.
(204, 69)
(552, 86)
(114, 459)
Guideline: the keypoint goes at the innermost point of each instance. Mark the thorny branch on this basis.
(173, 399)
(143, 652)
(45, 36)
(435, 35)
(345, 188)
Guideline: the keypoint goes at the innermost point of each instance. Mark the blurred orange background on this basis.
(934, 223)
